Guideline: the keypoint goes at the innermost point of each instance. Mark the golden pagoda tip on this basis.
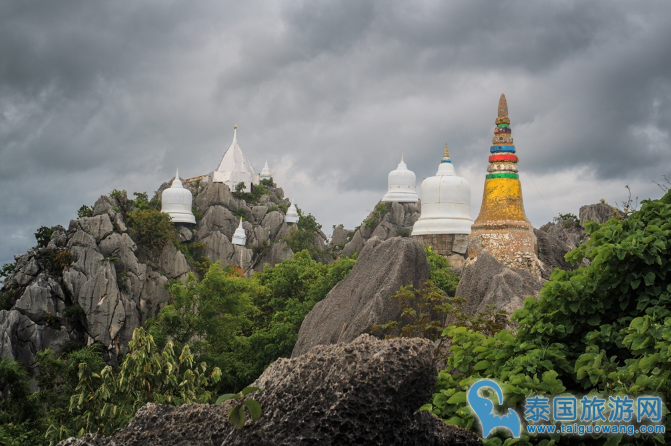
(503, 106)
(235, 127)
(446, 154)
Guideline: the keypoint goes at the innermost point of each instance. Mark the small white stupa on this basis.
(176, 202)
(401, 185)
(292, 214)
(239, 237)
(235, 168)
(446, 203)
(266, 174)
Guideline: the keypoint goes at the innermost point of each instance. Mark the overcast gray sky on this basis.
(102, 95)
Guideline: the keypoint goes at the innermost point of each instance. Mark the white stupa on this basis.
(292, 214)
(176, 202)
(235, 168)
(401, 185)
(446, 203)
(239, 237)
(266, 174)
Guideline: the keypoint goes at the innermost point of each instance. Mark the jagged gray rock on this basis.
(364, 392)
(361, 300)
(551, 252)
(339, 236)
(21, 338)
(599, 213)
(173, 262)
(484, 281)
(398, 220)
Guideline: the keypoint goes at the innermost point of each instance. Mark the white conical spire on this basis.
(239, 238)
(176, 202)
(401, 185)
(446, 202)
(266, 174)
(235, 168)
(292, 213)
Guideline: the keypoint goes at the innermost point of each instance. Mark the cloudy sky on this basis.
(102, 95)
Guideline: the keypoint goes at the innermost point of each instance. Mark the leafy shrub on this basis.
(267, 182)
(151, 229)
(403, 232)
(9, 296)
(237, 414)
(604, 328)
(21, 415)
(7, 269)
(378, 213)
(253, 197)
(283, 207)
(55, 260)
(84, 211)
(43, 236)
(75, 315)
(116, 194)
(440, 273)
(107, 400)
(241, 213)
(567, 221)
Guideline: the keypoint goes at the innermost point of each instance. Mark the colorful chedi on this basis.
(502, 227)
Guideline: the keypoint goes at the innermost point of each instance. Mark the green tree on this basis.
(604, 328)
(151, 229)
(107, 400)
(43, 236)
(21, 415)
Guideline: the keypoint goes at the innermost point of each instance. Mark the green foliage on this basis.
(604, 328)
(253, 197)
(237, 415)
(107, 400)
(440, 273)
(567, 221)
(75, 315)
(242, 324)
(142, 202)
(378, 213)
(9, 296)
(84, 211)
(283, 207)
(21, 415)
(304, 236)
(55, 260)
(267, 182)
(272, 208)
(43, 236)
(151, 229)
(241, 213)
(7, 269)
(403, 232)
(116, 194)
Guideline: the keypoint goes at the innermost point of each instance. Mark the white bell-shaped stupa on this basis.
(292, 214)
(446, 202)
(235, 168)
(176, 202)
(266, 174)
(239, 237)
(401, 185)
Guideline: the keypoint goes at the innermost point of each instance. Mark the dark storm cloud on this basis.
(96, 96)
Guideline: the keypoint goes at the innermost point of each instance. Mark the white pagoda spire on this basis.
(292, 213)
(176, 202)
(401, 185)
(235, 167)
(266, 174)
(239, 238)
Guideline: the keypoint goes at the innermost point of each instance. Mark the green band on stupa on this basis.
(513, 176)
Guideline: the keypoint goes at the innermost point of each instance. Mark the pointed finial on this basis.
(446, 154)
(401, 156)
(235, 126)
(177, 174)
(503, 106)
(240, 226)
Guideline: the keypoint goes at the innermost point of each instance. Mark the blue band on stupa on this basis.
(446, 160)
(498, 149)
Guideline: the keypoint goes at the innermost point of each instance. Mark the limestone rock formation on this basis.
(386, 221)
(95, 269)
(364, 392)
(485, 281)
(599, 212)
(361, 300)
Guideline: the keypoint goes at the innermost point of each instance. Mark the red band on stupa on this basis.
(495, 158)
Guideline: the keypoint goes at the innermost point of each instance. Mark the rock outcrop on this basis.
(92, 283)
(599, 213)
(361, 300)
(485, 281)
(387, 220)
(364, 392)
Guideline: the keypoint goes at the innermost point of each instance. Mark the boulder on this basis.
(173, 262)
(485, 281)
(365, 392)
(551, 252)
(22, 338)
(361, 300)
(339, 236)
(217, 219)
(259, 212)
(273, 221)
(98, 227)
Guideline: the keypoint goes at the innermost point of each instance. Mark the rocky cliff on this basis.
(96, 282)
